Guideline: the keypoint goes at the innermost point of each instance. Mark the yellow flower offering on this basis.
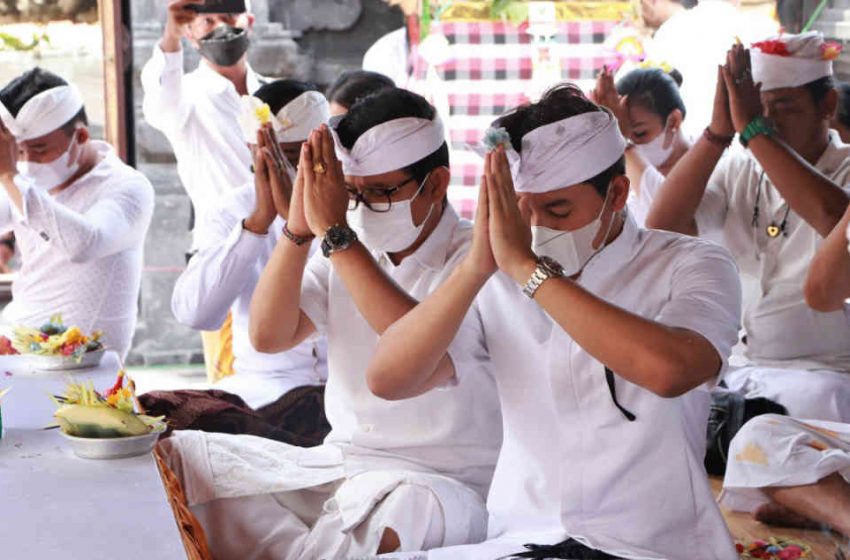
(263, 113)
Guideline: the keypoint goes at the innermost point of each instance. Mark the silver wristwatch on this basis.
(546, 268)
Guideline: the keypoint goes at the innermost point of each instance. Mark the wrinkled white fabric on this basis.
(391, 146)
(293, 123)
(780, 451)
(567, 152)
(805, 62)
(43, 113)
(82, 250)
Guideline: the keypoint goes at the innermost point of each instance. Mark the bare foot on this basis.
(774, 514)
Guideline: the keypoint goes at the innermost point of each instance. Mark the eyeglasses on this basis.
(374, 198)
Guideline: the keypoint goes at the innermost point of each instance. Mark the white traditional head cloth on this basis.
(293, 123)
(43, 113)
(390, 146)
(787, 61)
(566, 152)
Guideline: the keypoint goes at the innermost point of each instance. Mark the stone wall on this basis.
(305, 39)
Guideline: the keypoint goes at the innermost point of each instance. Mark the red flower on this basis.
(772, 46)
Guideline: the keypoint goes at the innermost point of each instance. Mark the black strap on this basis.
(570, 549)
(609, 377)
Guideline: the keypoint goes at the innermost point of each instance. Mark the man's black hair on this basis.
(558, 103)
(354, 85)
(820, 88)
(29, 84)
(280, 92)
(387, 105)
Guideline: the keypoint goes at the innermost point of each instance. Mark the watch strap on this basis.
(756, 127)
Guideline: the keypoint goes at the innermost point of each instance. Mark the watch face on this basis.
(338, 236)
(552, 266)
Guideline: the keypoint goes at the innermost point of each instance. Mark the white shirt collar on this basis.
(620, 251)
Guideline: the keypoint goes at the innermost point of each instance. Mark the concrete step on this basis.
(835, 14)
(833, 29)
(840, 5)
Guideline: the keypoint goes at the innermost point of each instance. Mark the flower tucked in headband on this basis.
(830, 50)
(253, 114)
(776, 47)
(665, 67)
(495, 137)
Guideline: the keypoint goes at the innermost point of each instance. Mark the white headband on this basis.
(293, 123)
(43, 113)
(567, 152)
(789, 61)
(390, 146)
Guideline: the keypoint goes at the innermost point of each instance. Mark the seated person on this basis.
(791, 472)
(352, 86)
(79, 214)
(773, 204)
(605, 339)
(279, 396)
(389, 476)
(796, 472)
(650, 111)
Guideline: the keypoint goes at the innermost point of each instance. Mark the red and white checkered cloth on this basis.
(490, 72)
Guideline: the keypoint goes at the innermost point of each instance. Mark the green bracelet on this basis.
(756, 127)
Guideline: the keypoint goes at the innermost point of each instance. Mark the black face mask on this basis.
(224, 45)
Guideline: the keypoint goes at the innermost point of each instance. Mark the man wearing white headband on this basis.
(389, 476)
(80, 215)
(197, 112)
(790, 471)
(239, 234)
(605, 339)
(772, 205)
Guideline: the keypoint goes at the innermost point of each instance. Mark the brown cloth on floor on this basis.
(297, 418)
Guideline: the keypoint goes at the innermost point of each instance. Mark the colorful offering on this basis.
(84, 412)
(52, 339)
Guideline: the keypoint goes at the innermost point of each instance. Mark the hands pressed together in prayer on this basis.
(605, 94)
(502, 236)
(737, 100)
(272, 182)
(325, 198)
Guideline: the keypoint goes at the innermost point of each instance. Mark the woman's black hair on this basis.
(558, 103)
(280, 92)
(387, 105)
(29, 84)
(354, 85)
(653, 89)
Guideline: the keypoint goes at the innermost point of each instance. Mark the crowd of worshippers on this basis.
(552, 380)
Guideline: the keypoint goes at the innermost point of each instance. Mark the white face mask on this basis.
(51, 174)
(572, 249)
(654, 151)
(392, 231)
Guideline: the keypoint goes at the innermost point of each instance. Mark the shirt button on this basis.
(44, 236)
(367, 428)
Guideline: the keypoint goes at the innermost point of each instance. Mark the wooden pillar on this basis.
(117, 77)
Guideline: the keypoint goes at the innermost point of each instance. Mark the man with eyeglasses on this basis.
(390, 476)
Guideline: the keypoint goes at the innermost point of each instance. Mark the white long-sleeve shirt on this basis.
(82, 250)
(221, 278)
(197, 113)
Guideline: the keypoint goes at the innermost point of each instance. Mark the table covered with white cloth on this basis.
(56, 505)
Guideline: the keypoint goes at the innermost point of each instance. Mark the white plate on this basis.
(89, 360)
(114, 448)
